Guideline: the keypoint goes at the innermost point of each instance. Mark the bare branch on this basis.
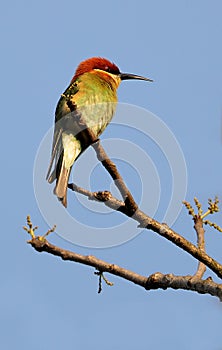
(154, 281)
(198, 226)
(118, 180)
(180, 241)
(101, 196)
(159, 280)
(42, 245)
(129, 207)
(164, 231)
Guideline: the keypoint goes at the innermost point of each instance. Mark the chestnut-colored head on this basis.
(102, 64)
(96, 63)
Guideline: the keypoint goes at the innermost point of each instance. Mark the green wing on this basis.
(62, 110)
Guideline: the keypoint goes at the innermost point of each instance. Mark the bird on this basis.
(92, 96)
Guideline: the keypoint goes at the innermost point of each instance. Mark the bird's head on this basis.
(106, 68)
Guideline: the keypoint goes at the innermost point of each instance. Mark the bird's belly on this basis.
(97, 116)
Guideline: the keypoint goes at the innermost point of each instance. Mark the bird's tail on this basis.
(62, 178)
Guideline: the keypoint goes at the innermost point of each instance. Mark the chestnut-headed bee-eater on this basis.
(92, 95)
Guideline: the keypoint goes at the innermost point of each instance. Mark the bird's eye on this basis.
(107, 69)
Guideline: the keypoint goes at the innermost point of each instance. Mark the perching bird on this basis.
(92, 95)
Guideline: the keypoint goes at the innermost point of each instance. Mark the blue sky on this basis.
(49, 304)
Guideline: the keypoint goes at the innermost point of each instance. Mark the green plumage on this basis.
(93, 96)
(90, 102)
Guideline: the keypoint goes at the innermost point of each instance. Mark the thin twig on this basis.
(101, 196)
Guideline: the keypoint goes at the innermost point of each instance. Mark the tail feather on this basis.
(62, 184)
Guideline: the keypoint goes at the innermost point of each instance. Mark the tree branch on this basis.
(198, 226)
(102, 156)
(208, 286)
(161, 229)
(152, 282)
(130, 207)
(42, 245)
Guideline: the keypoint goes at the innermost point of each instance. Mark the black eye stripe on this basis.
(109, 70)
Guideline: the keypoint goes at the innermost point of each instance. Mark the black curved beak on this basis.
(127, 76)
